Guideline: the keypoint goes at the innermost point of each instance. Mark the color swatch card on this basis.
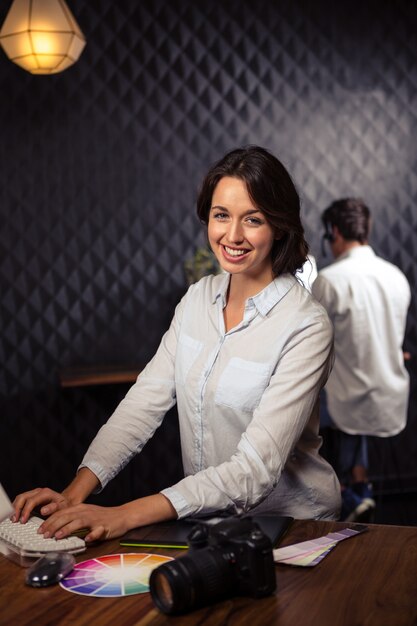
(310, 553)
(113, 575)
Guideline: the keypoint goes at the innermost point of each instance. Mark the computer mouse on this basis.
(50, 569)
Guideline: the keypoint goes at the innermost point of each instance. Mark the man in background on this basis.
(367, 300)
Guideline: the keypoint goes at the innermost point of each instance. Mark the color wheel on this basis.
(113, 575)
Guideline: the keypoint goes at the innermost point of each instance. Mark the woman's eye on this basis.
(220, 216)
(255, 221)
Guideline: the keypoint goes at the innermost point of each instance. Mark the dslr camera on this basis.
(233, 557)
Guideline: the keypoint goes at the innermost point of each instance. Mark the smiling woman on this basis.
(245, 358)
(269, 193)
(239, 233)
(242, 240)
(252, 210)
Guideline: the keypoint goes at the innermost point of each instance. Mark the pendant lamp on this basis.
(41, 36)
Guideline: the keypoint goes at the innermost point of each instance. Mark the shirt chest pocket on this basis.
(188, 350)
(242, 384)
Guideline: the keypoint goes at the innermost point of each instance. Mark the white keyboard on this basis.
(24, 541)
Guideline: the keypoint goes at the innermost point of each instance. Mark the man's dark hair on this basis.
(351, 216)
(272, 191)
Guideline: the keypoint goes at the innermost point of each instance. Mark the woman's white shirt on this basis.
(247, 404)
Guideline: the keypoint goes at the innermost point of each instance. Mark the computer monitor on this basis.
(6, 508)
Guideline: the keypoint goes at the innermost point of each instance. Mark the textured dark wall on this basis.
(100, 167)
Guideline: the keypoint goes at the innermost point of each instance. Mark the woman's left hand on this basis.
(104, 522)
(101, 522)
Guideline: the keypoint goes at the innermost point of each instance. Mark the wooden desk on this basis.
(369, 580)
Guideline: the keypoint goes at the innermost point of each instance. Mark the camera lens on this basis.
(191, 581)
(163, 591)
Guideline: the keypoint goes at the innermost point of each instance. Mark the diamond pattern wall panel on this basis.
(100, 168)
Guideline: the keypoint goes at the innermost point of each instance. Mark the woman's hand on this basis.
(49, 501)
(107, 522)
(101, 522)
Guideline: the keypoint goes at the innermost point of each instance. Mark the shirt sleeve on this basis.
(277, 425)
(325, 293)
(139, 414)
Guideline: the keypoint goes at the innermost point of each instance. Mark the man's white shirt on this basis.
(367, 299)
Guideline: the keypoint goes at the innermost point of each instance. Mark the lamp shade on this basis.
(41, 36)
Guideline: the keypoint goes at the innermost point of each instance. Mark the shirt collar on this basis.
(222, 288)
(357, 251)
(265, 299)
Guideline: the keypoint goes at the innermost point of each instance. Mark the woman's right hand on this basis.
(50, 501)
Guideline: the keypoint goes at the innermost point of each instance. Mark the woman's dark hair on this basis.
(351, 216)
(272, 191)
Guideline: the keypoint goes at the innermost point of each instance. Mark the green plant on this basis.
(202, 263)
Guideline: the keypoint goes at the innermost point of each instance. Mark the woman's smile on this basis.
(239, 233)
(236, 253)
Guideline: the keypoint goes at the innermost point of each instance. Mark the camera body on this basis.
(232, 557)
(248, 551)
